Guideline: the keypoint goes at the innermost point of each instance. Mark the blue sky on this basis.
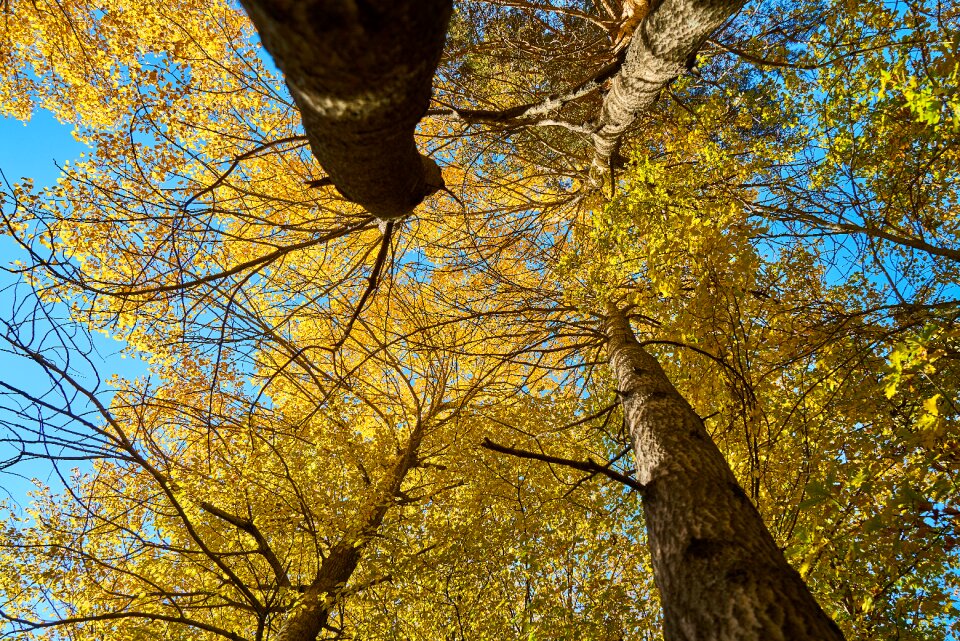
(34, 150)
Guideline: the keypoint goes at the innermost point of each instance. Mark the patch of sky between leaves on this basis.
(36, 150)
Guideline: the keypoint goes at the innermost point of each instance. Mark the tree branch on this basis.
(584, 466)
(372, 281)
(113, 616)
(869, 231)
(253, 263)
(263, 546)
(528, 113)
(236, 163)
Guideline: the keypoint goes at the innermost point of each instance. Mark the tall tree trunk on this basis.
(720, 574)
(360, 72)
(663, 47)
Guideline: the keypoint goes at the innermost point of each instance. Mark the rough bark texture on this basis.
(360, 72)
(720, 574)
(663, 46)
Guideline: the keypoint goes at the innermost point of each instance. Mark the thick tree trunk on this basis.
(720, 574)
(664, 46)
(361, 73)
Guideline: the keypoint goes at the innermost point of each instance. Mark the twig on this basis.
(372, 283)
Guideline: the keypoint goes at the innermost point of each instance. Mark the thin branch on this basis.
(252, 263)
(236, 163)
(112, 616)
(263, 547)
(533, 110)
(749, 57)
(584, 466)
(869, 231)
(550, 8)
(372, 283)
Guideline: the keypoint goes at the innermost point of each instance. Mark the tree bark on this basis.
(720, 574)
(360, 72)
(310, 617)
(663, 47)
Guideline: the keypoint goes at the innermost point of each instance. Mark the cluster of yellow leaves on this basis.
(194, 238)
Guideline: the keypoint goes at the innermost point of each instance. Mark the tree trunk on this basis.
(663, 47)
(310, 616)
(720, 574)
(360, 72)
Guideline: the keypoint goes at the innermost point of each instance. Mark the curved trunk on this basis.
(720, 574)
(360, 73)
(309, 619)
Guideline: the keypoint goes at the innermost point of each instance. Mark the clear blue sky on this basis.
(34, 150)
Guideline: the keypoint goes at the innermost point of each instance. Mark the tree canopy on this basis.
(641, 292)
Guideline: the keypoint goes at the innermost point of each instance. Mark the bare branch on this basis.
(584, 466)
